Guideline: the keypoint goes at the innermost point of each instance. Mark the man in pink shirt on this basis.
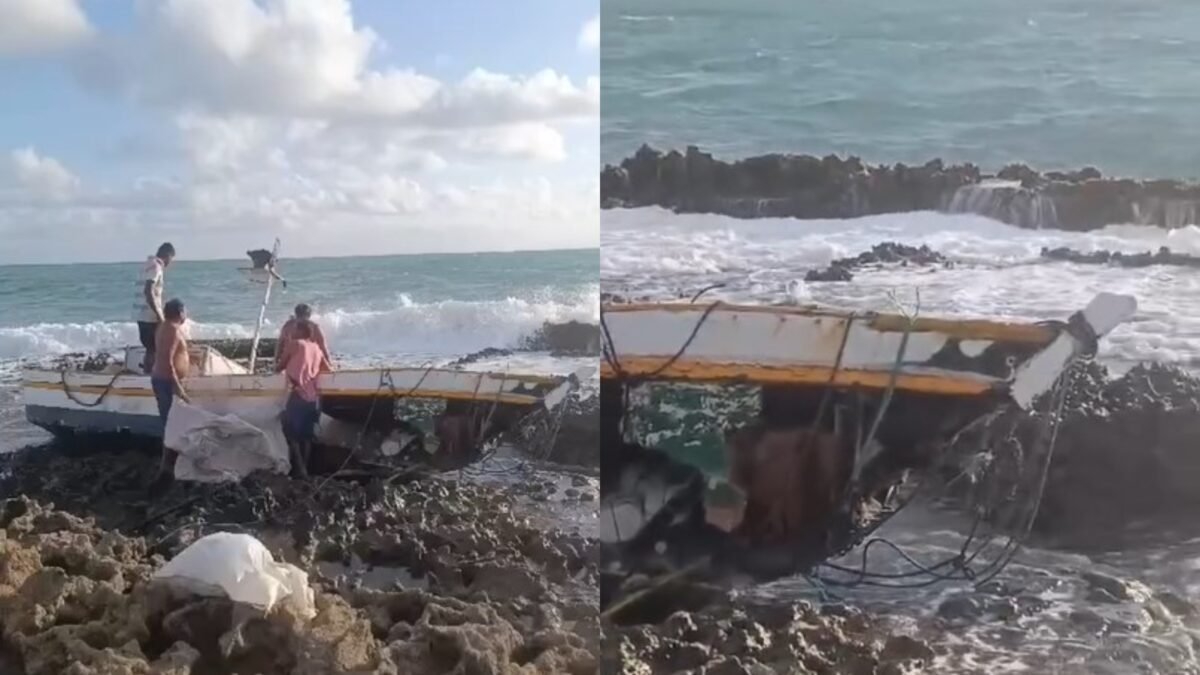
(302, 364)
(286, 335)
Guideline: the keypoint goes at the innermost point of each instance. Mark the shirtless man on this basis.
(286, 336)
(302, 363)
(171, 366)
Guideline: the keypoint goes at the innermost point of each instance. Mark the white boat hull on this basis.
(85, 402)
(806, 346)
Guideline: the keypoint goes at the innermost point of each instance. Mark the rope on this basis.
(961, 561)
(100, 399)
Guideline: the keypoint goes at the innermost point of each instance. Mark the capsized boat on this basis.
(849, 403)
(97, 398)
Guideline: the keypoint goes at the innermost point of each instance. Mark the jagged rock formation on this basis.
(1125, 454)
(886, 253)
(1163, 256)
(569, 338)
(804, 186)
(425, 577)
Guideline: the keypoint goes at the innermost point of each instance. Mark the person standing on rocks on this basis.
(147, 304)
(171, 366)
(286, 336)
(302, 364)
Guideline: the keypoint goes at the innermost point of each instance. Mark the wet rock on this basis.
(1117, 588)
(1175, 604)
(765, 637)
(732, 665)
(903, 648)
(804, 186)
(1133, 430)
(961, 608)
(886, 253)
(178, 660)
(572, 338)
(1163, 256)
(1088, 621)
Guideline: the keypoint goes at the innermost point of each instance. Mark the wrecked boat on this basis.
(850, 407)
(360, 407)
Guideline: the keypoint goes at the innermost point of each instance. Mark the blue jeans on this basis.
(300, 419)
(164, 394)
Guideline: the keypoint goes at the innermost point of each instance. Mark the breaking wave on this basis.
(450, 327)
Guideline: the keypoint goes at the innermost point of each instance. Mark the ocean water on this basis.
(1055, 83)
(401, 310)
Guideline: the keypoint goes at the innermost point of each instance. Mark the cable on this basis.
(100, 399)
(961, 562)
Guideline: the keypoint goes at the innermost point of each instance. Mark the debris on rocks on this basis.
(424, 577)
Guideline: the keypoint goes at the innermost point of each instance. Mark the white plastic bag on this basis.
(216, 447)
(239, 567)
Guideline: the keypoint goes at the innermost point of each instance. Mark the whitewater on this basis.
(997, 272)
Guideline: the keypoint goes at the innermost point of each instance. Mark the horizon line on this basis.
(318, 257)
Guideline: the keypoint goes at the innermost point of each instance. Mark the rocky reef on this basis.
(1124, 467)
(805, 186)
(411, 576)
(1163, 256)
(763, 639)
(570, 338)
(886, 253)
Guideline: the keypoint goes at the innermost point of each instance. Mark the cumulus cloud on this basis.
(30, 27)
(42, 177)
(293, 58)
(282, 121)
(589, 35)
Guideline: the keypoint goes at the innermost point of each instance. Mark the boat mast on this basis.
(262, 311)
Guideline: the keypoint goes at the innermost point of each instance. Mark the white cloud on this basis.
(589, 35)
(307, 58)
(528, 141)
(43, 177)
(283, 123)
(29, 27)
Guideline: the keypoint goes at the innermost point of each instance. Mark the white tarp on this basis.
(239, 567)
(217, 447)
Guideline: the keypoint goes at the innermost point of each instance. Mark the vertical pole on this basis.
(262, 311)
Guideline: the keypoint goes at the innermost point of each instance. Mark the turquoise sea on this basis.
(1055, 83)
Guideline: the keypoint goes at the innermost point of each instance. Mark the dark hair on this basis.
(303, 330)
(303, 311)
(166, 250)
(173, 309)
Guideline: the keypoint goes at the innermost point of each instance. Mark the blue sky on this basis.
(393, 145)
